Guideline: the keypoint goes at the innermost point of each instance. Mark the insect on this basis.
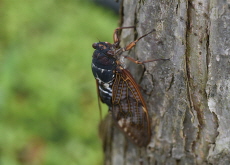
(117, 88)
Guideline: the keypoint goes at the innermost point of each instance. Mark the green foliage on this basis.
(48, 103)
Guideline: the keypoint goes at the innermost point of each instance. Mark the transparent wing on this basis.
(129, 109)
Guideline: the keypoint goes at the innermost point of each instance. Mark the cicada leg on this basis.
(116, 38)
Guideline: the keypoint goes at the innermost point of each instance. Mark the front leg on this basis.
(116, 38)
(132, 44)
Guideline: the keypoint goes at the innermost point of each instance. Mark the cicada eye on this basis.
(94, 45)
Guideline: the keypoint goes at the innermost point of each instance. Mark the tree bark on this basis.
(188, 97)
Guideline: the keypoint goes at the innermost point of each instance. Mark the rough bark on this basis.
(188, 97)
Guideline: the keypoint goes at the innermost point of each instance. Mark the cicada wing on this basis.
(99, 99)
(129, 109)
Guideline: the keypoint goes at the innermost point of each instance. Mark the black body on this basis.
(103, 67)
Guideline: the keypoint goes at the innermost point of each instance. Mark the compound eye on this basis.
(94, 45)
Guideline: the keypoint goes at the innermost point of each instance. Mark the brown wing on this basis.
(129, 108)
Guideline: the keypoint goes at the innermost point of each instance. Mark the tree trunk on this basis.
(188, 97)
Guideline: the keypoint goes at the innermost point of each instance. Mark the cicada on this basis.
(118, 89)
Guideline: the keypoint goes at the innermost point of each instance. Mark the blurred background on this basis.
(48, 103)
